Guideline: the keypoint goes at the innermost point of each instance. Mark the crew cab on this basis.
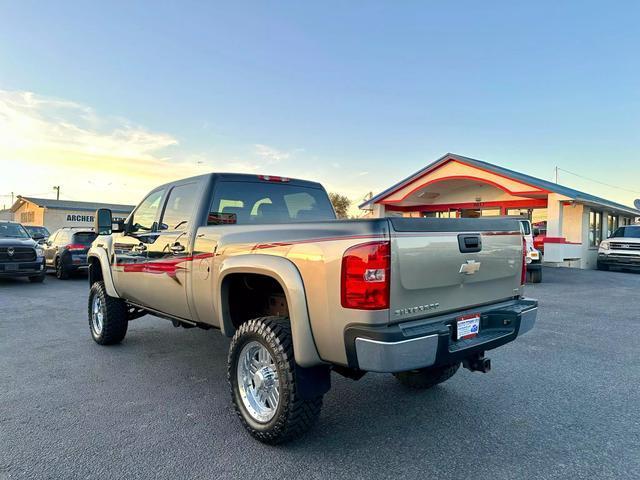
(621, 250)
(20, 255)
(301, 294)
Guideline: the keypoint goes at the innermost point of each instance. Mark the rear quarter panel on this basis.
(315, 249)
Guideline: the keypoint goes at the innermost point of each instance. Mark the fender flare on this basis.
(287, 275)
(101, 255)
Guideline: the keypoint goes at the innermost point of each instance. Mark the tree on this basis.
(341, 204)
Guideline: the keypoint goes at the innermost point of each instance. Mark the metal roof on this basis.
(72, 205)
(536, 182)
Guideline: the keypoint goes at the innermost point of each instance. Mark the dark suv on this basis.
(66, 250)
(20, 255)
(38, 233)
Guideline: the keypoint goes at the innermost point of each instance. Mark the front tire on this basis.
(603, 266)
(535, 276)
(262, 377)
(37, 278)
(107, 316)
(426, 377)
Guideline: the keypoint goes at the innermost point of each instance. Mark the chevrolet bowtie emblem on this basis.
(470, 267)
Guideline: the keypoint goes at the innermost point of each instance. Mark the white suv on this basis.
(622, 249)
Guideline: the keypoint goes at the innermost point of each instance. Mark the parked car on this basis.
(38, 233)
(302, 294)
(622, 249)
(66, 250)
(20, 255)
(534, 258)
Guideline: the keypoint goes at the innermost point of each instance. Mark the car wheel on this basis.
(37, 278)
(107, 316)
(62, 272)
(535, 276)
(603, 266)
(261, 374)
(427, 377)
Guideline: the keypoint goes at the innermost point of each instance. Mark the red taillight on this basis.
(76, 247)
(273, 178)
(365, 276)
(523, 275)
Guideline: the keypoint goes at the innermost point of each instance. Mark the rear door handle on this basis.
(177, 248)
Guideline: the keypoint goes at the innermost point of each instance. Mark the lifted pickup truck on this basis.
(264, 260)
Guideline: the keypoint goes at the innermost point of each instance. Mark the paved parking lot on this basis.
(562, 402)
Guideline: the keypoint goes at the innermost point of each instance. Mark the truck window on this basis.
(179, 207)
(260, 203)
(144, 217)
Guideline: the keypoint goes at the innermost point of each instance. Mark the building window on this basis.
(612, 224)
(490, 212)
(539, 215)
(521, 212)
(449, 214)
(595, 228)
(27, 217)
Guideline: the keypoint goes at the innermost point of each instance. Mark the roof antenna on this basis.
(556, 174)
(57, 189)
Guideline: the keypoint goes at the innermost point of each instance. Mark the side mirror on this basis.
(103, 223)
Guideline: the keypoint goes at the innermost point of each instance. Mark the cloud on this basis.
(271, 154)
(67, 142)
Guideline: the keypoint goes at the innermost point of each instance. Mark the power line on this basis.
(596, 181)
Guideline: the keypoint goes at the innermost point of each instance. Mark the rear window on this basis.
(627, 232)
(84, 238)
(260, 203)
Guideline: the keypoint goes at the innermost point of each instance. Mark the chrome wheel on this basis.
(97, 316)
(258, 382)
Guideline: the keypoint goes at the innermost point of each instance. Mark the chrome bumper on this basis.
(437, 347)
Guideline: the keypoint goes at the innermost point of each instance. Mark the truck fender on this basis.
(103, 257)
(287, 275)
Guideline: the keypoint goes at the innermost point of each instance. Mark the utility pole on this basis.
(57, 189)
(11, 198)
(556, 174)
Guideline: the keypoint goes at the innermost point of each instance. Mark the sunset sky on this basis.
(108, 100)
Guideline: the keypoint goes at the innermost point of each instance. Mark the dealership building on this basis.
(55, 214)
(456, 186)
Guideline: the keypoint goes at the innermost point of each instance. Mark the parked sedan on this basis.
(66, 251)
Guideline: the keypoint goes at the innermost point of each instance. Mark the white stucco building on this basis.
(457, 186)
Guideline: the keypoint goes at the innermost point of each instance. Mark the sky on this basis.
(109, 99)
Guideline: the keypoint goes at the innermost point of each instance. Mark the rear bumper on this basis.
(21, 269)
(430, 342)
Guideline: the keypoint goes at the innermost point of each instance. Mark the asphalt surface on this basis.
(561, 402)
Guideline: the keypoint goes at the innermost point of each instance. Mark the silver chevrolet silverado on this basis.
(264, 260)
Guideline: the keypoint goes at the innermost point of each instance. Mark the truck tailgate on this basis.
(441, 265)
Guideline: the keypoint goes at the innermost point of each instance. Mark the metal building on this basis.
(55, 214)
